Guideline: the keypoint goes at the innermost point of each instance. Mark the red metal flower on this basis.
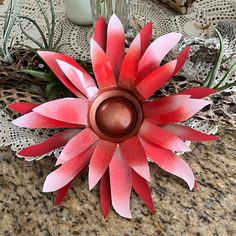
(121, 128)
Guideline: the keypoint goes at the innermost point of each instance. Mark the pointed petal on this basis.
(181, 59)
(100, 161)
(169, 162)
(102, 67)
(199, 92)
(134, 153)
(156, 80)
(142, 189)
(146, 35)
(79, 78)
(67, 172)
(182, 113)
(121, 184)
(100, 33)
(34, 120)
(161, 137)
(78, 144)
(163, 105)
(61, 193)
(52, 143)
(22, 107)
(187, 133)
(50, 59)
(71, 110)
(105, 194)
(155, 53)
(129, 69)
(115, 44)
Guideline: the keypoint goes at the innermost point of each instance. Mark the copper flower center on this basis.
(115, 115)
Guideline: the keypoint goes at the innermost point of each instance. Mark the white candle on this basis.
(79, 11)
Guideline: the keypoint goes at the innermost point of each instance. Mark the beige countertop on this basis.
(209, 210)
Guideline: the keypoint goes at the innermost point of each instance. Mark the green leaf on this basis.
(46, 76)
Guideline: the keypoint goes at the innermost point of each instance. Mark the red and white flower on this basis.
(111, 127)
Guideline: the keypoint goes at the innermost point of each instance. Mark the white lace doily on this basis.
(193, 26)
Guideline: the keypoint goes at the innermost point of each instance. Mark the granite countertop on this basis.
(209, 210)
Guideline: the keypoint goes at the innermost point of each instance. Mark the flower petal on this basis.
(105, 194)
(146, 35)
(102, 67)
(121, 184)
(100, 33)
(115, 44)
(134, 154)
(156, 80)
(79, 78)
(78, 144)
(50, 58)
(35, 120)
(100, 161)
(187, 133)
(129, 69)
(161, 137)
(70, 110)
(181, 59)
(163, 105)
(153, 56)
(52, 143)
(182, 113)
(142, 189)
(22, 107)
(61, 193)
(199, 92)
(169, 162)
(67, 172)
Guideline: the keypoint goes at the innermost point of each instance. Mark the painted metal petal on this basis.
(146, 35)
(105, 194)
(161, 137)
(100, 161)
(187, 133)
(198, 92)
(50, 59)
(67, 172)
(155, 53)
(78, 144)
(182, 113)
(22, 107)
(134, 154)
(115, 44)
(156, 80)
(52, 143)
(100, 33)
(181, 59)
(169, 162)
(129, 69)
(102, 67)
(79, 78)
(71, 110)
(61, 193)
(141, 187)
(35, 120)
(163, 105)
(121, 184)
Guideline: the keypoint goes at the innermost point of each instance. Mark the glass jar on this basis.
(106, 8)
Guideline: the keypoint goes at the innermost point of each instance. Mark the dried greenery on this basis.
(12, 13)
(48, 40)
(211, 78)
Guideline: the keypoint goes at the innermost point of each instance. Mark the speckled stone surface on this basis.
(209, 210)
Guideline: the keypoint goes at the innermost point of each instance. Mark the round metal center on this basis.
(116, 117)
